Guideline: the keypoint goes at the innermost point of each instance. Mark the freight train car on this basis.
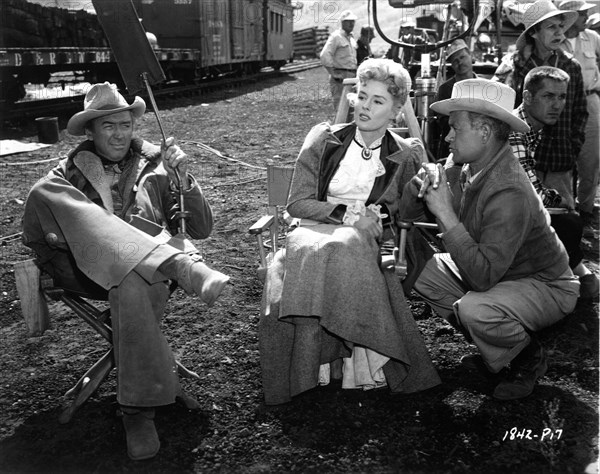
(228, 34)
(196, 40)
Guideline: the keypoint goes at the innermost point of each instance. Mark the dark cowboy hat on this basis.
(100, 100)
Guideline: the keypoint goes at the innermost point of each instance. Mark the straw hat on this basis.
(483, 97)
(575, 5)
(100, 100)
(539, 11)
(593, 21)
(347, 15)
(455, 47)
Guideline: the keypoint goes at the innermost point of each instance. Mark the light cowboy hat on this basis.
(347, 15)
(455, 47)
(484, 97)
(593, 20)
(575, 5)
(539, 11)
(101, 100)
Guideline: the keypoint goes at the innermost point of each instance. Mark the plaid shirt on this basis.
(524, 146)
(560, 150)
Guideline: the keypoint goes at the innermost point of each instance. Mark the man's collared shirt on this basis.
(559, 152)
(339, 51)
(524, 146)
(586, 49)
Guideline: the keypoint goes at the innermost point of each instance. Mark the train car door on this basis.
(280, 34)
(174, 22)
(237, 30)
(215, 32)
(246, 30)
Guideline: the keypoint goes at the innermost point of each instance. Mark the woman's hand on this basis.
(370, 224)
(175, 162)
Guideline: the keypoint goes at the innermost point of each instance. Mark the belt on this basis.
(344, 69)
(593, 91)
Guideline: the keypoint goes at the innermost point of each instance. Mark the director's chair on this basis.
(34, 286)
(279, 179)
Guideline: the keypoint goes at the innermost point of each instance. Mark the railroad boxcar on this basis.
(230, 35)
(196, 40)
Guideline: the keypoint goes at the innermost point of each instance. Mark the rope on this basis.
(39, 162)
(236, 183)
(225, 157)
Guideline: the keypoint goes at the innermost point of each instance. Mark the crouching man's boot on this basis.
(142, 438)
(195, 277)
(525, 370)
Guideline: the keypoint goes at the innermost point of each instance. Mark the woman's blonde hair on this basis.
(388, 72)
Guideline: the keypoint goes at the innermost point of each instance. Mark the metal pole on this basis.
(182, 214)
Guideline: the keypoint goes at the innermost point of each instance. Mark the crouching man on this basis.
(505, 273)
(83, 220)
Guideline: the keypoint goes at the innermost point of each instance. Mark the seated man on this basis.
(544, 98)
(81, 221)
(505, 274)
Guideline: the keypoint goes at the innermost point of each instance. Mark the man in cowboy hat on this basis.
(540, 45)
(338, 56)
(504, 273)
(89, 221)
(584, 45)
(459, 56)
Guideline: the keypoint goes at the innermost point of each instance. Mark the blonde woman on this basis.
(326, 298)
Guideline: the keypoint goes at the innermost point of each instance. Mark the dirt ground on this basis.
(457, 427)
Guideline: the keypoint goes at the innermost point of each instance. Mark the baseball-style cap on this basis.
(347, 15)
(455, 47)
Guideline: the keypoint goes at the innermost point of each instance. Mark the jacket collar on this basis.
(90, 165)
(393, 150)
(91, 168)
(504, 153)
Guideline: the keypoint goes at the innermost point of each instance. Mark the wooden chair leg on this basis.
(87, 385)
(33, 304)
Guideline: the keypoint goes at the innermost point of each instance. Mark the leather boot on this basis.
(475, 363)
(525, 369)
(142, 438)
(195, 277)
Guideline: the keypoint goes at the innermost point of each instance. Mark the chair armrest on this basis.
(557, 210)
(262, 225)
(426, 225)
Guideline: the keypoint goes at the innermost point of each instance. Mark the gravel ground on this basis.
(457, 427)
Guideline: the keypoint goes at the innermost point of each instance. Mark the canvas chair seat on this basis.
(34, 287)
